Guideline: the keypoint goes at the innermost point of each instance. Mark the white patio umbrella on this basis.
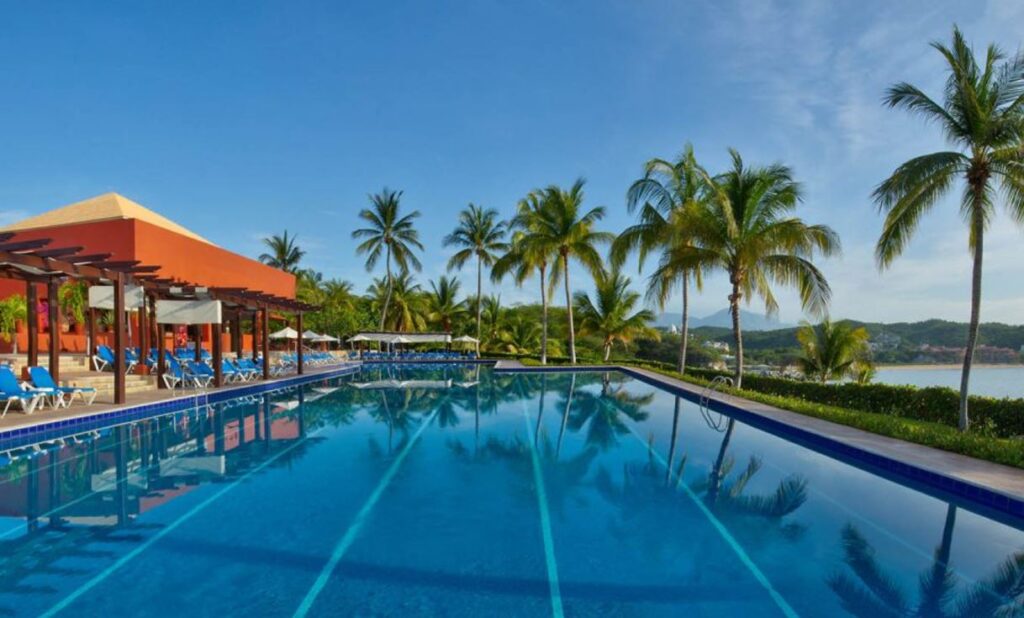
(311, 335)
(285, 333)
(468, 339)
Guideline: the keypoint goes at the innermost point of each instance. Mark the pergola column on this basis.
(53, 306)
(255, 335)
(265, 341)
(90, 347)
(236, 332)
(144, 333)
(120, 395)
(31, 300)
(218, 371)
(199, 342)
(300, 355)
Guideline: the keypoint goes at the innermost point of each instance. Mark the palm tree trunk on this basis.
(672, 443)
(685, 332)
(565, 414)
(734, 306)
(715, 484)
(972, 330)
(568, 307)
(543, 316)
(479, 302)
(607, 351)
(387, 297)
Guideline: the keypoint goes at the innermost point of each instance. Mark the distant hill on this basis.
(723, 319)
(894, 338)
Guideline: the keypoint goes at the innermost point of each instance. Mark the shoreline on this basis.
(951, 366)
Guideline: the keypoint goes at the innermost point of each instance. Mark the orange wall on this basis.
(205, 264)
(179, 256)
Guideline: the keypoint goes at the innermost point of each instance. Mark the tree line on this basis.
(691, 223)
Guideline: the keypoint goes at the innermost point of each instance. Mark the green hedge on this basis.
(1000, 417)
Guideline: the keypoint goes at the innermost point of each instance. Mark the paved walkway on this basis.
(16, 419)
(997, 477)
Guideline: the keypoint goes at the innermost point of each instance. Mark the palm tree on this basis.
(443, 306)
(743, 229)
(524, 257)
(284, 253)
(13, 309)
(832, 350)
(520, 335)
(404, 300)
(982, 116)
(479, 234)
(563, 229)
(390, 233)
(666, 196)
(610, 315)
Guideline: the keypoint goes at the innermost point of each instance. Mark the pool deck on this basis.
(1002, 479)
(16, 419)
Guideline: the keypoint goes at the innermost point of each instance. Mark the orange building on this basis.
(112, 223)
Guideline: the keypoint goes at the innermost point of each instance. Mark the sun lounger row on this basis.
(42, 390)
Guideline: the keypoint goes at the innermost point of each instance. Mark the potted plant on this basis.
(12, 311)
(74, 300)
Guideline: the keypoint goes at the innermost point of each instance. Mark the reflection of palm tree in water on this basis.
(874, 593)
(605, 415)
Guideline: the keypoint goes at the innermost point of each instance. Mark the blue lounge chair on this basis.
(230, 373)
(104, 357)
(42, 379)
(12, 392)
(200, 373)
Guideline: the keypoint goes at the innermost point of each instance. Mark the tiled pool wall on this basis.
(987, 501)
(21, 436)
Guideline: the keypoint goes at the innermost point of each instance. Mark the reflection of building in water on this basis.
(75, 493)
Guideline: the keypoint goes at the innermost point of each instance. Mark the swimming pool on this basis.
(460, 491)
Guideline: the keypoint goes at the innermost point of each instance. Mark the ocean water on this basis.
(988, 381)
(458, 491)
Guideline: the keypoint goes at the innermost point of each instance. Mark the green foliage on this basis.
(833, 351)
(612, 314)
(74, 300)
(1000, 417)
(12, 310)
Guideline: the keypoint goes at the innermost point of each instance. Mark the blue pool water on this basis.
(458, 491)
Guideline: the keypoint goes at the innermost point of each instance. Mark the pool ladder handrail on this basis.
(718, 424)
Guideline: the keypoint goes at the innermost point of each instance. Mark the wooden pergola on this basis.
(35, 262)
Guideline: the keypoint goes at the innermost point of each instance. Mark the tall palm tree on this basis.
(744, 230)
(443, 304)
(832, 350)
(479, 235)
(982, 116)
(390, 233)
(666, 196)
(611, 315)
(524, 258)
(283, 252)
(564, 229)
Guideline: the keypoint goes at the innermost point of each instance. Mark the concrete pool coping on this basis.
(981, 483)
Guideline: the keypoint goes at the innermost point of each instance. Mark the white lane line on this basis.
(357, 524)
(729, 539)
(545, 521)
(123, 560)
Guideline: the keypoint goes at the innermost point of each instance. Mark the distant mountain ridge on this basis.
(749, 320)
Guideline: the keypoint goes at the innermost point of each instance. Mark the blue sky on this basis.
(243, 119)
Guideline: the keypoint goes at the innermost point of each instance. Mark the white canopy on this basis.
(466, 339)
(285, 333)
(403, 337)
(311, 334)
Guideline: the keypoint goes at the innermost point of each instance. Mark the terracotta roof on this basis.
(102, 208)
